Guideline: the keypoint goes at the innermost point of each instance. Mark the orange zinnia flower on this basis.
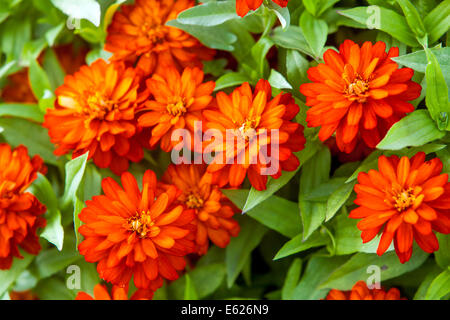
(406, 199)
(360, 291)
(133, 233)
(95, 112)
(359, 93)
(118, 293)
(20, 211)
(248, 115)
(18, 89)
(176, 102)
(139, 33)
(213, 210)
(244, 6)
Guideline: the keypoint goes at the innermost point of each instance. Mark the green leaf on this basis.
(318, 268)
(296, 69)
(314, 172)
(355, 269)
(414, 130)
(385, 19)
(39, 81)
(442, 256)
(35, 137)
(190, 293)
(7, 277)
(209, 14)
(277, 80)
(26, 111)
(73, 185)
(292, 279)
(437, 22)
(315, 31)
(299, 244)
(440, 287)
(337, 199)
(436, 99)
(282, 14)
(53, 231)
(317, 7)
(275, 213)
(80, 9)
(240, 248)
(208, 35)
(292, 38)
(413, 18)
(230, 80)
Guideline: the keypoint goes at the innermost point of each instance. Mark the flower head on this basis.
(95, 112)
(117, 293)
(20, 211)
(405, 199)
(260, 125)
(139, 33)
(176, 102)
(360, 291)
(18, 89)
(358, 93)
(143, 234)
(244, 6)
(213, 210)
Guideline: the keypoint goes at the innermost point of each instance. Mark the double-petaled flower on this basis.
(133, 233)
(405, 200)
(95, 112)
(21, 213)
(262, 131)
(358, 93)
(138, 34)
(360, 291)
(213, 211)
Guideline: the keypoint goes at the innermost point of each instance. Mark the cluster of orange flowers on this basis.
(154, 85)
(360, 291)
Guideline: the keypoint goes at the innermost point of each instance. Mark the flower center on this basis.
(177, 107)
(143, 225)
(194, 201)
(404, 199)
(155, 32)
(97, 105)
(248, 127)
(358, 90)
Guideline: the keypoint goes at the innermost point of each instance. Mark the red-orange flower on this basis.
(176, 102)
(360, 291)
(214, 212)
(358, 93)
(254, 118)
(95, 112)
(405, 199)
(18, 89)
(23, 295)
(136, 234)
(20, 211)
(244, 6)
(117, 293)
(139, 33)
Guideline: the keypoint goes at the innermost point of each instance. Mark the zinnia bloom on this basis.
(405, 199)
(358, 93)
(213, 210)
(139, 33)
(251, 116)
(95, 112)
(244, 6)
(20, 211)
(176, 102)
(18, 89)
(117, 293)
(133, 233)
(360, 291)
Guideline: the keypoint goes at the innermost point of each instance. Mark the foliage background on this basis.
(296, 241)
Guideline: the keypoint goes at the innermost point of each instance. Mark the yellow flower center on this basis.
(97, 105)
(194, 201)
(155, 32)
(247, 128)
(357, 89)
(143, 225)
(404, 199)
(177, 107)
